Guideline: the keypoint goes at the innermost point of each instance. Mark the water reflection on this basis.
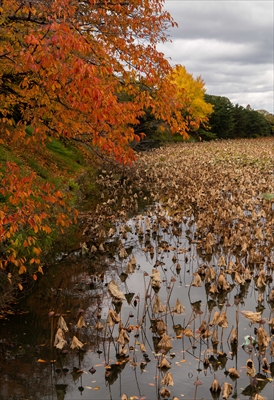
(160, 319)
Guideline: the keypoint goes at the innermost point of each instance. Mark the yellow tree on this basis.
(191, 91)
(64, 64)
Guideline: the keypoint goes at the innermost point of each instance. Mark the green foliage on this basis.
(270, 119)
(66, 155)
(268, 196)
(221, 120)
(207, 135)
(36, 167)
(231, 122)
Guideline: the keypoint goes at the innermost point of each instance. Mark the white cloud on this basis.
(228, 43)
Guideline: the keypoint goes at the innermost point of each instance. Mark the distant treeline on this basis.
(227, 121)
(230, 121)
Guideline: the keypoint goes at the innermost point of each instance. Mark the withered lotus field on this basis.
(184, 306)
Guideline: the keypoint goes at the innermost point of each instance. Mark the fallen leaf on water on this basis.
(41, 361)
(96, 388)
(88, 387)
(151, 384)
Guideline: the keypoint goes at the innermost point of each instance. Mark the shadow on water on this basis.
(159, 317)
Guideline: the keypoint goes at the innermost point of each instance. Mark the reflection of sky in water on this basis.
(186, 356)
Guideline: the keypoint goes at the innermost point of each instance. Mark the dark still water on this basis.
(153, 321)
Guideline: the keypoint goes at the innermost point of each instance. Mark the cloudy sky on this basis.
(230, 44)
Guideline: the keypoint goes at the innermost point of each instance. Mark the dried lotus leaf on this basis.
(165, 392)
(207, 333)
(210, 275)
(221, 262)
(254, 317)
(213, 289)
(130, 268)
(112, 318)
(143, 348)
(222, 320)
(157, 306)
(99, 326)
(122, 351)
(161, 327)
(265, 364)
(123, 253)
(216, 316)
(263, 337)
(123, 338)
(168, 379)
(238, 279)
(197, 282)
(250, 369)
(187, 332)
(165, 343)
(214, 338)
(59, 341)
(115, 292)
(155, 279)
(76, 343)
(272, 349)
(233, 373)
(233, 336)
(81, 323)
(62, 324)
(227, 390)
(164, 363)
(179, 308)
(222, 283)
(215, 386)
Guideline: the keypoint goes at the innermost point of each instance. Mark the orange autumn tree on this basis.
(196, 110)
(64, 64)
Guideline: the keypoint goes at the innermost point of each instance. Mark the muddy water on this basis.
(32, 368)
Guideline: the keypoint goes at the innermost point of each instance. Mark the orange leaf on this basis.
(36, 250)
(40, 269)
(22, 269)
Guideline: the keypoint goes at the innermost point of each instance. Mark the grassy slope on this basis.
(58, 162)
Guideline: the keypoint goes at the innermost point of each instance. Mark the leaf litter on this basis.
(210, 231)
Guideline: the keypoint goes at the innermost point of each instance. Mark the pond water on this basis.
(87, 286)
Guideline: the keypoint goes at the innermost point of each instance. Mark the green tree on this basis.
(221, 121)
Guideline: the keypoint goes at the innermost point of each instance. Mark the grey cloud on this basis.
(225, 20)
(228, 43)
